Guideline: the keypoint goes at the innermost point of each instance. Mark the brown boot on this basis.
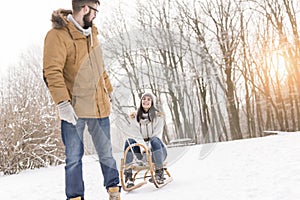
(76, 198)
(114, 193)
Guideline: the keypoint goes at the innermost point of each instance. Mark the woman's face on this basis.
(146, 103)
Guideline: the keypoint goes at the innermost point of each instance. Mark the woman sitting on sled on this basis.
(148, 122)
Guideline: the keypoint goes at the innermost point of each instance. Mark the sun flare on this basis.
(278, 65)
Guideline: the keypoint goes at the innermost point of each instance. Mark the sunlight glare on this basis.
(278, 65)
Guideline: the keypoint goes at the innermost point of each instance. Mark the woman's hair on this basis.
(151, 114)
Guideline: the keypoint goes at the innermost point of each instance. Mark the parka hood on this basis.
(58, 18)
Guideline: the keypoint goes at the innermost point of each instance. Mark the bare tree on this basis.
(212, 62)
(29, 127)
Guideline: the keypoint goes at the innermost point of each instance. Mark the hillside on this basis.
(260, 168)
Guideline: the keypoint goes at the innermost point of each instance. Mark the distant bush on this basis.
(29, 129)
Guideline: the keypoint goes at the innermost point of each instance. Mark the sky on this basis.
(25, 23)
(266, 168)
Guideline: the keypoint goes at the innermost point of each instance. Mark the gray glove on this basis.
(67, 113)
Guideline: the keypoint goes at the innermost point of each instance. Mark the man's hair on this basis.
(78, 4)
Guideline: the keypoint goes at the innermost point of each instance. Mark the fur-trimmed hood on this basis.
(59, 19)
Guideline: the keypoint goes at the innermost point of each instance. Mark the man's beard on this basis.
(86, 21)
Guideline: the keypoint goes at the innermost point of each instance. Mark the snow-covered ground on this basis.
(261, 168)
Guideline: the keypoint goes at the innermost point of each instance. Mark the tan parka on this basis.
(73, 68)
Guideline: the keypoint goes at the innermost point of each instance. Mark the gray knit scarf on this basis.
(145, 116)
(85, 32)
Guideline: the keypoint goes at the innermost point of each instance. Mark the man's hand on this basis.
(67, 113)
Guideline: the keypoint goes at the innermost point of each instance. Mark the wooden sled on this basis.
(142, 171)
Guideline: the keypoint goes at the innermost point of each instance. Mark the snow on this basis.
(265, 168)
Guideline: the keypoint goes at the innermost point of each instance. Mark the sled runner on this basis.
(143, 171)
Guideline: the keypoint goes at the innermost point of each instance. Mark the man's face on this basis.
(90, 16)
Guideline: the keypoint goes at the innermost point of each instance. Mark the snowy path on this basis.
(260, 169)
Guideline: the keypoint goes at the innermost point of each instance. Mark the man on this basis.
(75, 76)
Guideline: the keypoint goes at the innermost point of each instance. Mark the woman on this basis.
(149, 124)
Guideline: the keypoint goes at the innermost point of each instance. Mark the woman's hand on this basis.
(132, 115)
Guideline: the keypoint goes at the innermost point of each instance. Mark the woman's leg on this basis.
(136, 150)
(159, 152)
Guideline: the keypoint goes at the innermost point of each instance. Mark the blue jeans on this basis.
(158, 149)
(72, 137)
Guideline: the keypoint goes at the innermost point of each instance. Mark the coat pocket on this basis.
(84, 104)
